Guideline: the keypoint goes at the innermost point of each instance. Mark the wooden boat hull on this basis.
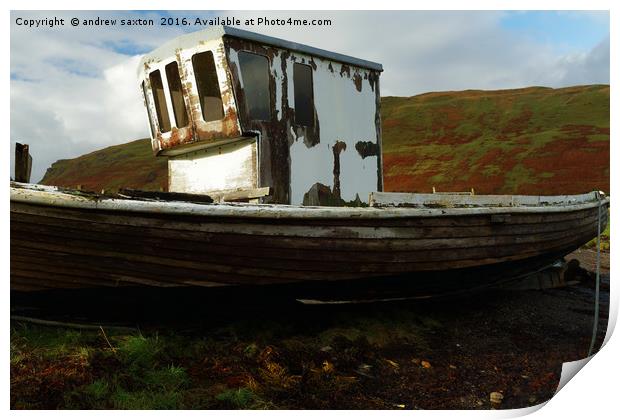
(65, 241)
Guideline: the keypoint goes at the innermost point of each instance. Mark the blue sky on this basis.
(79, 84)
(564, 30)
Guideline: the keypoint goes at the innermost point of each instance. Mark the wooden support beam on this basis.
(23, 163)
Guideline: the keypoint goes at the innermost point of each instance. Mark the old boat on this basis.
(275, 177)
(66, 239)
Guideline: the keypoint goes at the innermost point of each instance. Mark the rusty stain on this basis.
(276, 136)
(330, 67)
(338, 148)
(198, 131)
(280, 132)
(321, 195)
(373, 78)
(357, 81)
(367, 148)
(375, 86)
(345, 69)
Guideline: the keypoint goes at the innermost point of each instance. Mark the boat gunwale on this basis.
(44, 195)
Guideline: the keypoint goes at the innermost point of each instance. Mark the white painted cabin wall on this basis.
(344, 115)
(227, 167)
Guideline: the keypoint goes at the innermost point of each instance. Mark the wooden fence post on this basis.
(23, 163)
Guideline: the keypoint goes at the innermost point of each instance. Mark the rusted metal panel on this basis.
(198, 131)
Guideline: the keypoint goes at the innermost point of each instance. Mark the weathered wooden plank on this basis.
(195, 238)
(237, 226)
(248, 248)
(276, 267)
(102, 276)
(23, 163)
(289, 269)
(244, 194)
(86, 261)
(420, 270)
(46, 196)
(415, 231)
(160, 219)
(417, 248)
(165, 196)
(144, 273)
(447, 200)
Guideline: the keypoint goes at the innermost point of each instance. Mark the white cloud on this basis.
(442, 50)
(72, 93)
(66, 115)
(584, 68)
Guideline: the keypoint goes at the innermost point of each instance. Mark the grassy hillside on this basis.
(531, 141)
(129, 165)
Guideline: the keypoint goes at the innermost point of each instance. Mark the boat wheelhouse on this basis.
(287, 123)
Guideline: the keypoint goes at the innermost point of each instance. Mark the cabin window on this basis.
(160, 101)
(255, 76)
(208, 86)
(148, 111)
(304, 98)
(176, 94)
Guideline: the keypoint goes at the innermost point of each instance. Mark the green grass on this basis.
(605, 240)
(247, 364)
(237, 398)
(81, 370)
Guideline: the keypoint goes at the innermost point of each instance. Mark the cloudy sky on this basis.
(74, 89)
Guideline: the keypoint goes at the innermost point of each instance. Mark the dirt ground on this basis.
(587, 259)
(270, 353)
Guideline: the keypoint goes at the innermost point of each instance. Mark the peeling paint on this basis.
(367, 148)
(198, 130)
(338, 148)
(321, 195)
(357, 81)
(312, 64)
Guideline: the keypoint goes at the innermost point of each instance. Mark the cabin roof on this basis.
(189, 40)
